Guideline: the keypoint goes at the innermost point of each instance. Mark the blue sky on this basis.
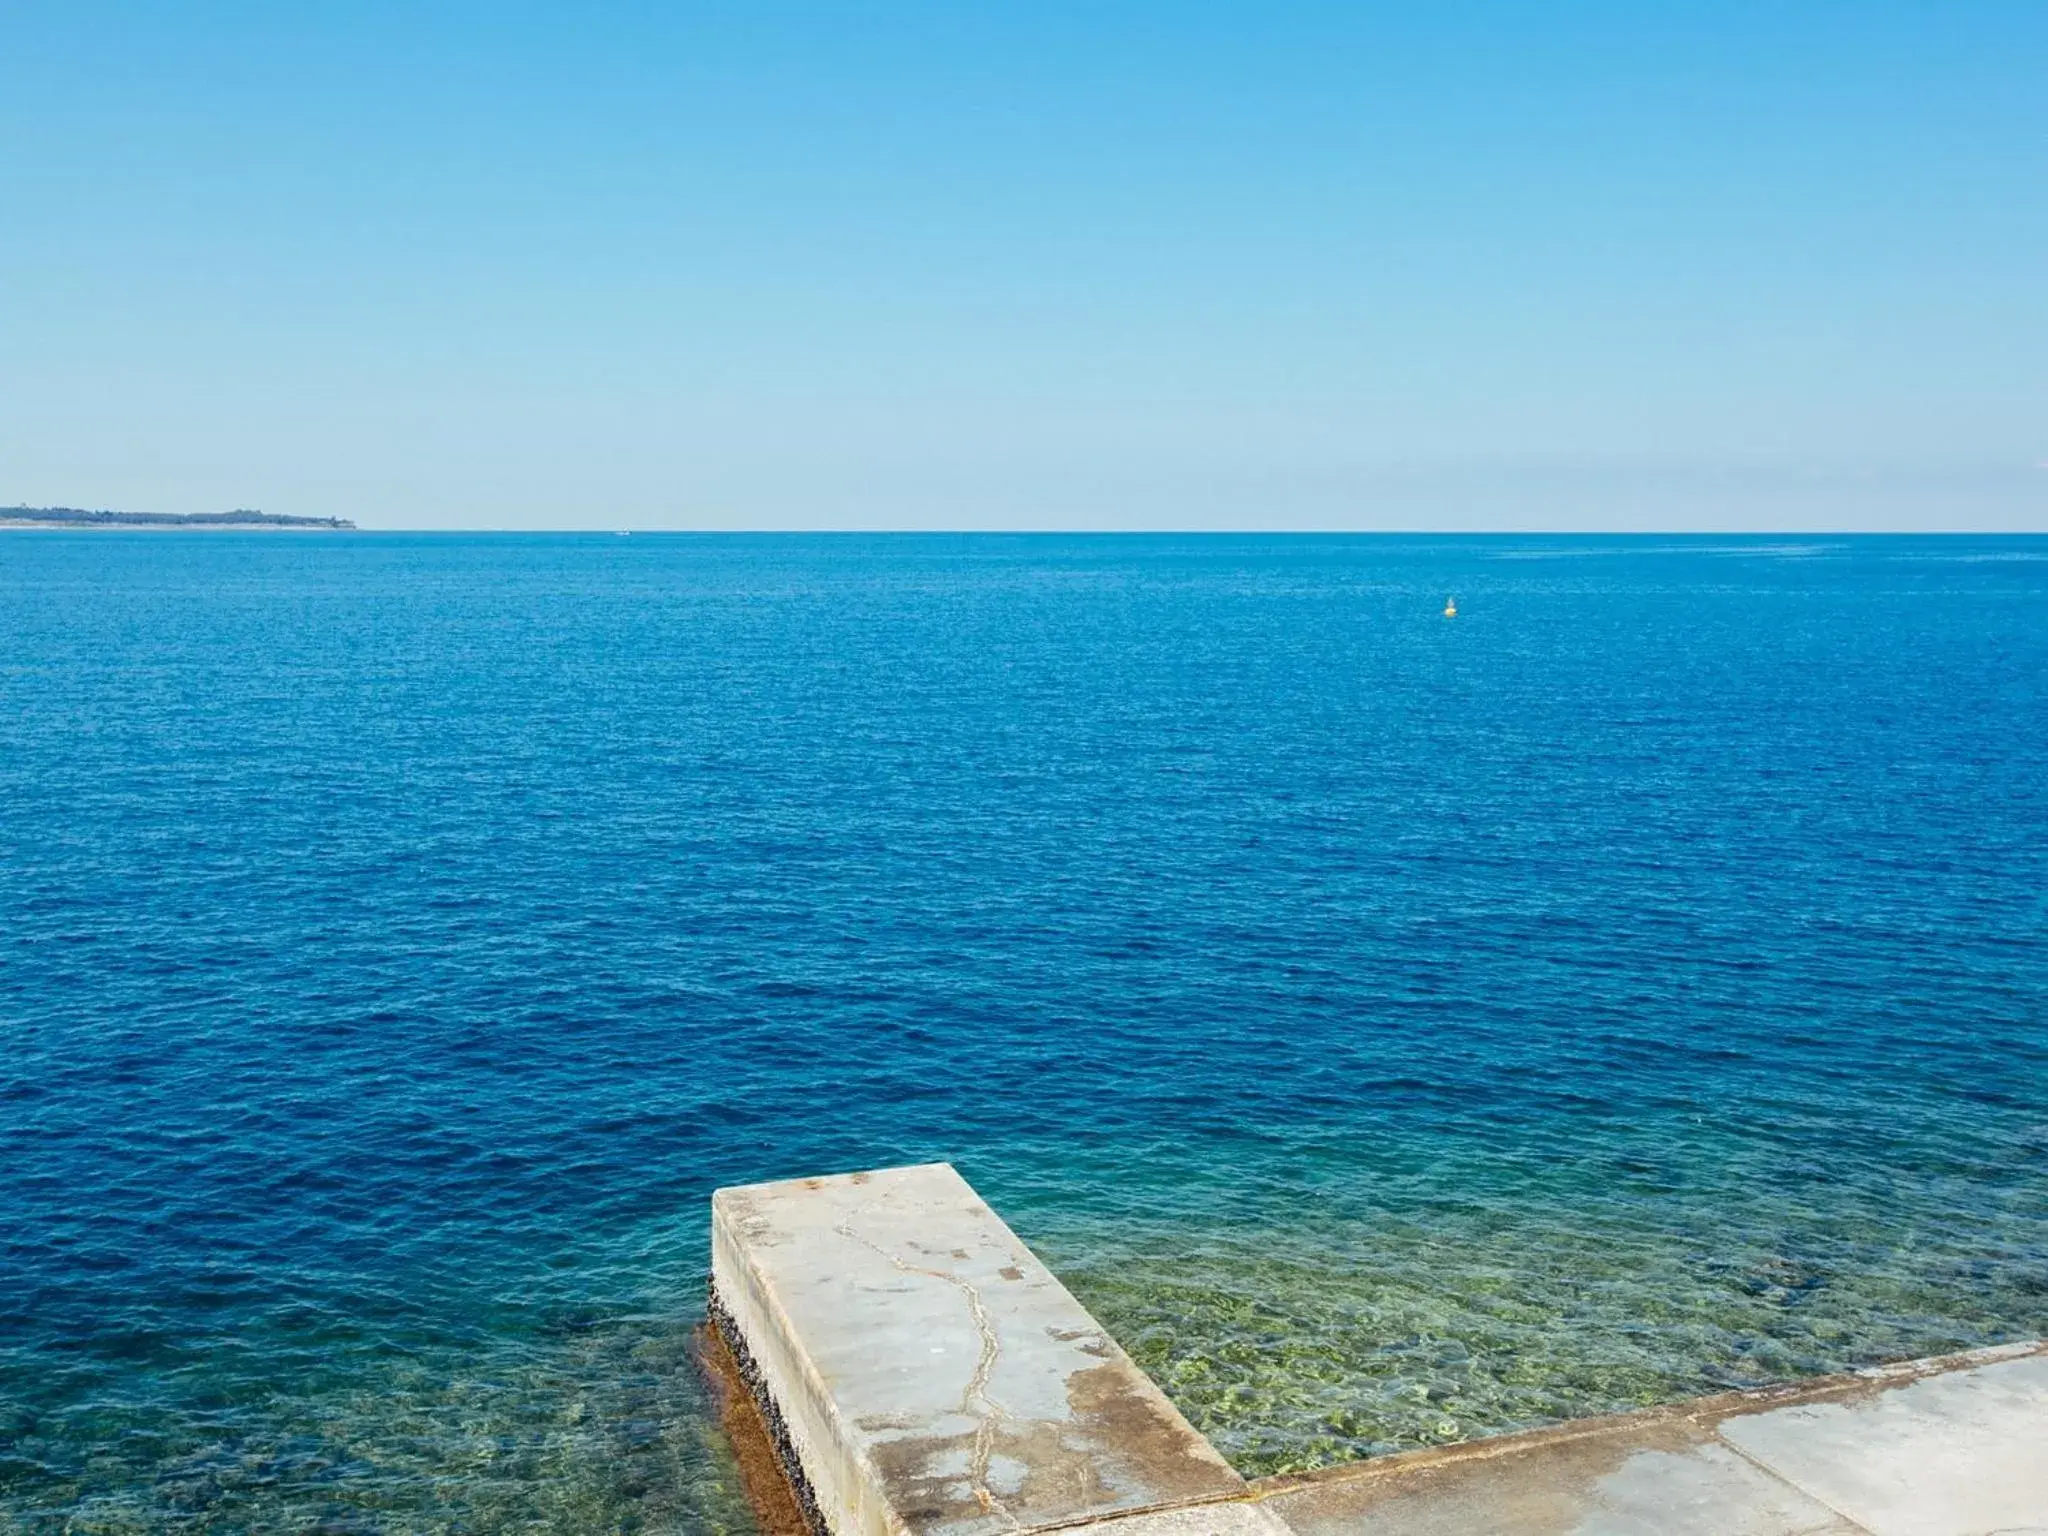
(1116, 265)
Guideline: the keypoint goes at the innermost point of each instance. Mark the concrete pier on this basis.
(920, 1373)
(928, 1374)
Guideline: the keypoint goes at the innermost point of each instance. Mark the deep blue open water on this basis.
(1395, 1028)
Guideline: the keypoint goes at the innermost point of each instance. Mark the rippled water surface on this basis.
(1395, 1028)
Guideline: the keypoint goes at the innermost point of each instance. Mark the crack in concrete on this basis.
(990, 1412)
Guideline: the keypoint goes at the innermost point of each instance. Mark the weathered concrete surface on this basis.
(922, 1374)
(1961, 1451)
(932, 1378)
(1191, 1520)
(1955, 1447)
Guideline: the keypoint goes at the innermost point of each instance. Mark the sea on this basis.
(1395, 1027)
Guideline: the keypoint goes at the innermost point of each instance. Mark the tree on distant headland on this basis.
(241, 517)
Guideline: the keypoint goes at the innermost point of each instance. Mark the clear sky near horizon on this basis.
(1586, 265)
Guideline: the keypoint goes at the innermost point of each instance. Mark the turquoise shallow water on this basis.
(1397, 1029)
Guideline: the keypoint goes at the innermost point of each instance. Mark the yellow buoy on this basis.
(1450, 607)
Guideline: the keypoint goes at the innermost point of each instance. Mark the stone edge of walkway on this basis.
(1703, 1412)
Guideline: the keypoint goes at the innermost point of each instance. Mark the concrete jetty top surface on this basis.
(921, 1373)
(931, 1374)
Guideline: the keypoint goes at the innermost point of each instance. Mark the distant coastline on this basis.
(78, 517)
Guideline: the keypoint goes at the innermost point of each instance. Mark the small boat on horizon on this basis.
(1450, 607)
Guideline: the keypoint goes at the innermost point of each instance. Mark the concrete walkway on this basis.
(916, 1371)
(1955, 1447)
